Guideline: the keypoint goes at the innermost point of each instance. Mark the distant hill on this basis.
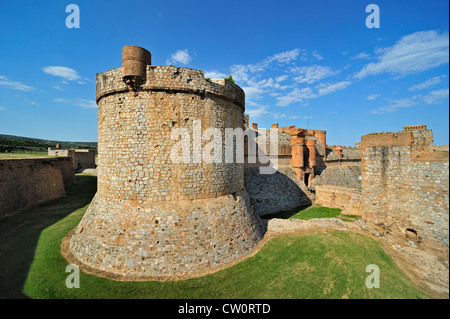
(12, 142)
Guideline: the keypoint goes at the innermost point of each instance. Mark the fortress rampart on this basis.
(172, 80)
(153, 218)
(81, 158)
(28, 182)
(346, 198)
(405, 184)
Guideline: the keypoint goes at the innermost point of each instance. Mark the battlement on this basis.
(418, 140)
(387, 139)
(171, 79)
(415, 127)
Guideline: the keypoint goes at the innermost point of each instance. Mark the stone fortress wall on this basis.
(281, 191)
(28, 182)
(81, 158)
(306, 163)
(151, 217)
(337, 181)
(401, 184)
(405, 184)
(348, 199)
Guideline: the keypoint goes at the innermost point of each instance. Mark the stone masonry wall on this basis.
(344, 176)
(281, 191)
(81, 158)
(405, 184)
(272, 193)
(151, 217)
(346, 198)
(28, 182)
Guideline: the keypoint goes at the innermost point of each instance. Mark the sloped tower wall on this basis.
(153, 218)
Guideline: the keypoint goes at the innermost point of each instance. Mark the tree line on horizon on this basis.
(11, 143)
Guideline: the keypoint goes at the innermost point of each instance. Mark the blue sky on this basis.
(306, 63)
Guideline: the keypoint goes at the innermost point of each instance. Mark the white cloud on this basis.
(311, 74)
(284, 57)
(215, 75)
(296, 95)
(242, 73)
(255, 90)
(427, 83)
(15, 85)
(2, 108)
(373, 97)
(396, 104)
(436, 97)
(83, 103)
(32, 103)
(361, 56)
(317, 55)
(257, 112)
(61, 100)
(324, 89)
(63, 72)
(413, 53)
(181, 56)
(281, 78)
(252, 92)
(268, 83)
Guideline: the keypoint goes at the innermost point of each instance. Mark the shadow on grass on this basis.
(19, 234)
(287, 213)
(313, 211)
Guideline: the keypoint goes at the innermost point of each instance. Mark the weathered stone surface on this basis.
(81, 158)
(344, 176)
(272, 193)
(346, 198)
(28, 182)
(152, 217)
(402, 190)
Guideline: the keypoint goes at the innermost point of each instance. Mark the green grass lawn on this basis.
(320, 265)
(24, 154)
(313, 211)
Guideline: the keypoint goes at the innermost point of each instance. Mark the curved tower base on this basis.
(169, 240)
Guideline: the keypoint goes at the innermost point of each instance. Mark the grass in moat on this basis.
(321, 265)
(313, 211)
(24, 154)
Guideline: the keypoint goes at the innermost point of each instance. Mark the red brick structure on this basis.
(304, 149)
(338, 151)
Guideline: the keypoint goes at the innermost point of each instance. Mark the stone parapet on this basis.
(172, 80)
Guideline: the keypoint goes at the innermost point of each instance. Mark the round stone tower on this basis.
(153, 217)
